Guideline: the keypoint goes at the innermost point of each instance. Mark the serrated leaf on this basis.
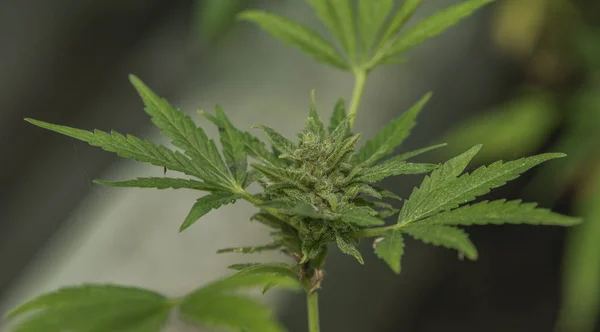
(338, 16)
(446, 195)
(387, 212)
(360, 188)
(257, 149)
(311, 248)
(254, 146)
(342, 131)
(446, 173)
(341, 151)
(307, 210)
(372, 15)
(338, 115)
(347, 247)
(159, 183)
(184, 132)
(205, 204)
(319, 127)
(446, 236)
(250, 250)
(393, 167)
(390, 248)
(411, 154)
(359, 215)
(434, 25)
(281, 143)
(234, 148)
(296, 35)
(132, 147)
(387, 194)
(501, 212)
(251, 177)
(93, 307)
(286, 176)
(391, 136)
(397, 22)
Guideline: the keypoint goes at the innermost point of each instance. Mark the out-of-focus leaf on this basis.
(93, 308)
(371, 16)
(427, 28)
(219, 304)
(518, 34)
(579, 140)
(588, 47)
(213, 18)
(338, 16)
(512, 130)
(581, 278)
(297, 35)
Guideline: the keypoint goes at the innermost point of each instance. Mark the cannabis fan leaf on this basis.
(127, 309)
(94, 308)
(367, 36)
(433, 209)
(312, 191)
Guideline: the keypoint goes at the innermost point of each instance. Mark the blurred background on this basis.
(521, 77)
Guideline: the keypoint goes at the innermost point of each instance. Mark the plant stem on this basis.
(313, 311)
(359, 86)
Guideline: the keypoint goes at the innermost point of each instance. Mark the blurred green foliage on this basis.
(582, 268)
(213, 18)
(563, 111)
(519, 127)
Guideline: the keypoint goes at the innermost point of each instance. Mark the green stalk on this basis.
(359, 86)
(312, 300)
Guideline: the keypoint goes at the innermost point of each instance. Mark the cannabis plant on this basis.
(318, 189)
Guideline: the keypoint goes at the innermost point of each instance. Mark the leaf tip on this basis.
(428, 96)
(247, 15)
(572, 221)
(558, 155)
(183, 227)
(34, 121)
(472, 255)
(474, 150)
(135, 81)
